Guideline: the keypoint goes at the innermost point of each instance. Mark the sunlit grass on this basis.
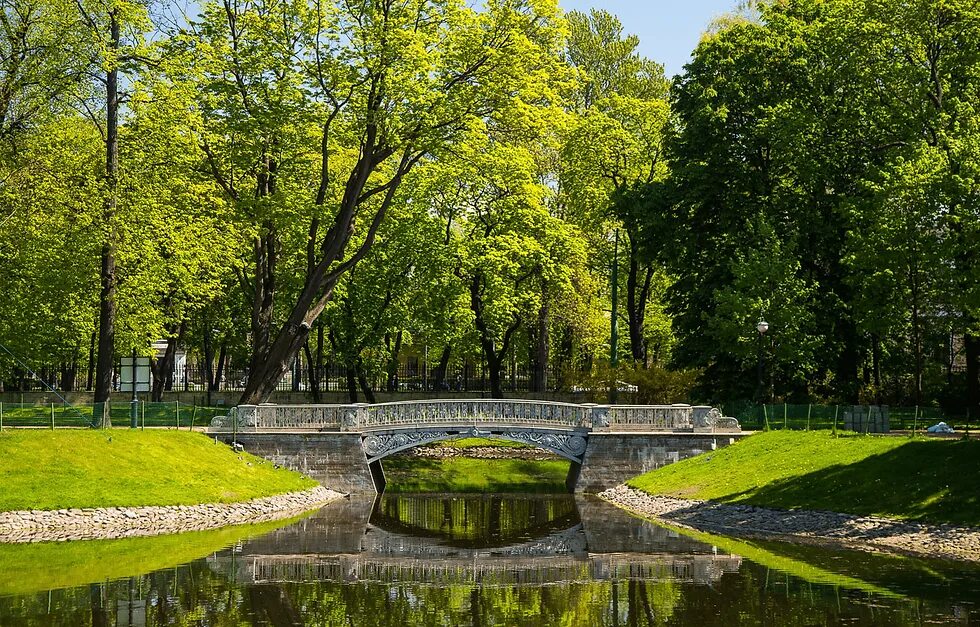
(868, 475)
(93, 468)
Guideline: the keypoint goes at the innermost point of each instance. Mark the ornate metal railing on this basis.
(519, 413)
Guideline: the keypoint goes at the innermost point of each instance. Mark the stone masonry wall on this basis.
(612, 458)
(335, 460)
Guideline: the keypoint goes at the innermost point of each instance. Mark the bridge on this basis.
(343, 445)
(354, 541)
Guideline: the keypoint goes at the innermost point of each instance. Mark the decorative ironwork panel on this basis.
(477, 413)
(650, 417)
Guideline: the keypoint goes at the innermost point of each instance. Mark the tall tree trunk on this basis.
(107, 295)
(314, 362)
(363, 382)
(163, 368)
(540, 350)
(90, 378)
(848, 361)
(350, 372)
(269, 366)
(439, 381)
(208, 356)
(263, 304)
(916, 328)
(391, 368)
(69, 372)
(494, 359)
(219, 370)
(637, 293)
(876, 366)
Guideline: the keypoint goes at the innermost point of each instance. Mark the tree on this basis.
(615, 145)
(323, 110)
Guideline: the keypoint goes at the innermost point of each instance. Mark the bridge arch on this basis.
(570, 445)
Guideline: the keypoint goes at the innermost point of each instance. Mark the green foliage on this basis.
(655, 385)
(819, 180)
(119, 468)
(863, 475)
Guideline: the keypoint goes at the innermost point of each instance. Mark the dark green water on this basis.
(473, 560)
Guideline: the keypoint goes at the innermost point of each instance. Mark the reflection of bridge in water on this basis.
(360, 541)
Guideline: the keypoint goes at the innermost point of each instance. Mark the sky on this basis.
(668, 30)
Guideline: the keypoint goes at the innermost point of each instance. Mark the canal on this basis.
(473, 560)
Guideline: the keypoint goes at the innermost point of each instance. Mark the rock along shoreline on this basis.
(128, 522)
(814, 527)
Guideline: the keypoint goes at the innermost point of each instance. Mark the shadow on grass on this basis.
(921, 480)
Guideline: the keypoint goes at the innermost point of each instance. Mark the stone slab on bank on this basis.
(831, 528)
(128, 522)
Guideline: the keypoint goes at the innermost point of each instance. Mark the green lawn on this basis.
(886, 476)
(465, 474)
(119, 467)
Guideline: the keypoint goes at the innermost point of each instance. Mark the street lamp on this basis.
(762, 327)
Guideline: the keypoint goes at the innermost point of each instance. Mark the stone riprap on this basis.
(482, 452)
(830, 528)
(128, 522)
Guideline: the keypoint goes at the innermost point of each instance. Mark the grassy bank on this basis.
(406, 474)
(883, 476)
(31, 568)
(90, 468)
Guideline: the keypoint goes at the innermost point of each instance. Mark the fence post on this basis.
(142, 415)
(765, 417)
(809, 409)
(177, 413)
(785, 416)
(1, 416)
(836, 412)
(52, 416)
(915, 421)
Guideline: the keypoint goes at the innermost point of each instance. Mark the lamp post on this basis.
(614, 327)
(762, 327)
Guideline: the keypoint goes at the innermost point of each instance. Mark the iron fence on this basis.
(173, 415)
(759, 417)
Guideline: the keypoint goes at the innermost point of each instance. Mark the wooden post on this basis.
(784, 417)
(836, 411)
(52, 416)
(765, 416)
(809, 409)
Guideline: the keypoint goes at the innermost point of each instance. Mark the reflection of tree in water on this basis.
(476, 521)
(196, 595)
